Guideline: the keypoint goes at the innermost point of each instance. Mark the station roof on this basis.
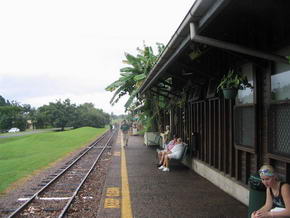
(222, 21)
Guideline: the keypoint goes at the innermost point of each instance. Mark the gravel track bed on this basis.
(87, 202)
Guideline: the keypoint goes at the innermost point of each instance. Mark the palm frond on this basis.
(140, 77)
(132, 96)
(113, 86)
(115, 94)
(125, 73)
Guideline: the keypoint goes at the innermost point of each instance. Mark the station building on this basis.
(229, 139)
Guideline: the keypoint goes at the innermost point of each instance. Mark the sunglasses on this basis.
(266, 172)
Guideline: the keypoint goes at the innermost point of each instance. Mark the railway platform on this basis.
(135, 187)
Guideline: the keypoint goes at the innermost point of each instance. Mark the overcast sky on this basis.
(58, 49)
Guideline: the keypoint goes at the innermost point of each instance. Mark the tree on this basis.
(64, 114)
(41, 117)
(12, 114)
(58, 114)
(133, 75)
(87, 115)
(3, 101)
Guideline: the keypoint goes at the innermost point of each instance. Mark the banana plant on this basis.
(133, 75)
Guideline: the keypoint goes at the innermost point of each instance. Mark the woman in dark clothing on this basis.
(278, 195)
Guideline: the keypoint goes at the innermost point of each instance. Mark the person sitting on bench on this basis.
(174, 153)
(168, 147)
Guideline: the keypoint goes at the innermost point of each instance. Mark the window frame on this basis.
(246, 148)
(251, 149)
(270, 147)
(272, 101)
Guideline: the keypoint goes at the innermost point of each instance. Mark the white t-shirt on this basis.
(177, 151)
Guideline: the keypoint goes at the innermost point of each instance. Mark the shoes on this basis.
(161, 168)
(159, 165)
(165, 169)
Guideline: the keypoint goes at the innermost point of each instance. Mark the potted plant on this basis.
(231, 83)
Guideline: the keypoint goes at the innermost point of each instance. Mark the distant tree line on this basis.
(59, 114)
(12, 114)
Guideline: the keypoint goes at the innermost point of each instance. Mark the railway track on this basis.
(58, 191)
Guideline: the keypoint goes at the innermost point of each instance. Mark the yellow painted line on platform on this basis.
(112, 203)
(113, 192)
(126, 210)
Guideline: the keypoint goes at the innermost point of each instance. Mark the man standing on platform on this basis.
(125, 130)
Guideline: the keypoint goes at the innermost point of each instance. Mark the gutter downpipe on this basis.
(233, 47)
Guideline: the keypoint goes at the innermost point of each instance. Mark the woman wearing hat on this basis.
(277, 195)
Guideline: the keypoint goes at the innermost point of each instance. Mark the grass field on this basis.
(20, 156)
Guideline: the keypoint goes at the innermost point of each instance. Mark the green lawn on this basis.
(22, 155)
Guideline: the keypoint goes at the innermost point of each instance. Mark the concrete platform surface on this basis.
(153, 193)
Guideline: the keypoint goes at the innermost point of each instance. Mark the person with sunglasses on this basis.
(277, 195)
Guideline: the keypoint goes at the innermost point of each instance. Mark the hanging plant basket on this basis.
(231, 83)
(230, 93)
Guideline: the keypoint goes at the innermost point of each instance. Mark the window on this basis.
(280, 82)
(245, 126)
(245, 112)
(211, 89)
(279, 114)
(246, 96)
(196, 93)
(279, 129)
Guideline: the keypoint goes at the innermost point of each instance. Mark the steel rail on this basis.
(84, 179)
(57, 176)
